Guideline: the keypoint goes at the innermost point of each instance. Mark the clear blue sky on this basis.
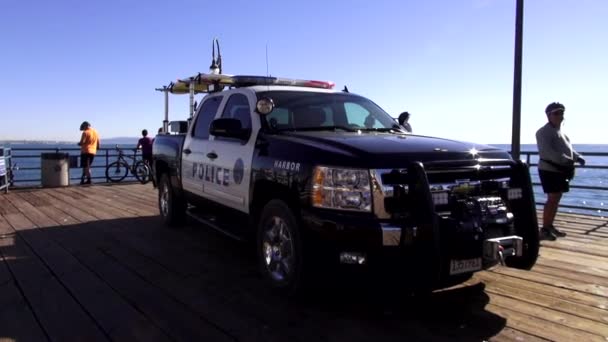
(449, 63)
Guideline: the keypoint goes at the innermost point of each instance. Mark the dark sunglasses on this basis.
(557, 112)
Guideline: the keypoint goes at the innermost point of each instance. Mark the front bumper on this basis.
(423, 240)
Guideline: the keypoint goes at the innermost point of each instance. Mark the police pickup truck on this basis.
(319, 177)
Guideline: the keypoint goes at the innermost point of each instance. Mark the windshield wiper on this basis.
(383, 129)
(321, 128)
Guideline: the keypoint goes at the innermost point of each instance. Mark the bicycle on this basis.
(119, 169)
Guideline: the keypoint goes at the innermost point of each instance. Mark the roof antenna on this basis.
(219, 55)
(345, 90)
(267, 73)
(216, 64)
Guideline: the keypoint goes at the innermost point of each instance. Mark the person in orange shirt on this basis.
(89, 143)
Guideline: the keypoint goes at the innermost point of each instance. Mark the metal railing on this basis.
(110, 154)
(25, 163)
(530, 155)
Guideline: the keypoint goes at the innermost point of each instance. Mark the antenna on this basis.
(219, 55)
(267, 74)
(216, 64)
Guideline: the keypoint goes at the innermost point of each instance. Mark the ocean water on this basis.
(587, 198)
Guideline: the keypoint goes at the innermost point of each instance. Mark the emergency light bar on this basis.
(205, 83)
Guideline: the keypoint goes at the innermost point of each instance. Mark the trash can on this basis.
(54, 170)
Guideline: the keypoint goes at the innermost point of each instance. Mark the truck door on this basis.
(231, 158)
(195, 146)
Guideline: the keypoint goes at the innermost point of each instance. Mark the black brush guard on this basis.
(431, 251)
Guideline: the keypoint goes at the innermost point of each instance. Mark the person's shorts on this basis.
(86, 159)
(553, 182)
(148, 158)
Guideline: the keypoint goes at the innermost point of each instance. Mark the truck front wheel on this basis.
(279, 247)
(172, 207)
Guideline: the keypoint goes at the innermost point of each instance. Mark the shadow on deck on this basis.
(96, 263)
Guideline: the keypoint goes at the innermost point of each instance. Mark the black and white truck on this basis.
(315, 177)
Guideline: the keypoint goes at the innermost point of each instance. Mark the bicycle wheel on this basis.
(117, 171)
(142, 172)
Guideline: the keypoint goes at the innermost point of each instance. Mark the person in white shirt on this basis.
(555, 166)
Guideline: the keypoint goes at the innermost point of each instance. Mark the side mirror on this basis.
(178, 127)
(228, 128)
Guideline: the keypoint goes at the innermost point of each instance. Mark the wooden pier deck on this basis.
(95, 264)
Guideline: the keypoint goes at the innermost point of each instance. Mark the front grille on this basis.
(455, 181)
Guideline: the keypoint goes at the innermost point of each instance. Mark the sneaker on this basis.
(546, 234)
(556, 232)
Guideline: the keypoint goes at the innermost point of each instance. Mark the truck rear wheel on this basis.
(279, 247)
(172, 207)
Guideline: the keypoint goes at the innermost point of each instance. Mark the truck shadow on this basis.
(195, 272)
(347, 307)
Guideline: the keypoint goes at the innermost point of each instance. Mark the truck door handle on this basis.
(211, 155)
(187, 151)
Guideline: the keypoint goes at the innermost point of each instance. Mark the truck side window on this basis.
(205, 116)
(237, 107)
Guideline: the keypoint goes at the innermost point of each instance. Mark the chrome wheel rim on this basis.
(278, 249)
(164, 200)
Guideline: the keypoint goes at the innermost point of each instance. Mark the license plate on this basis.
(465, 266)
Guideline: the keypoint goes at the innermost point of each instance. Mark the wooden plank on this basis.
(589, 240)
(571, 267)
(121, 200)
(195, 293)
(190, 296)
(574, 275)
(133, 205)
(574, 258)
(550, 302)
(540, 327)
(216, 280)
(165, 253)
(181, 324)
(512, 335)
(177, 321)
(490, 278)
(67, 208)
(92, 197)
(59, 314)
(116, 316)
(6, 232)
(594, 289)
(95, 209)
(585, 249)
(141, 194)
(17, 322)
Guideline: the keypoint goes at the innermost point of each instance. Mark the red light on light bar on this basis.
(320, 84)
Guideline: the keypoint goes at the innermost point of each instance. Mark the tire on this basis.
(142, 172)
(279, 248)
(172, 207)
(117, 171)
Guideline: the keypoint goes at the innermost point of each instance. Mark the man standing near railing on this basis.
(89, 143)
(555, 166)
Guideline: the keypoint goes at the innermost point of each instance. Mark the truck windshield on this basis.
(302, 110)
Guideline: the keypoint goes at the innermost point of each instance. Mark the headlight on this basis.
(337, 188)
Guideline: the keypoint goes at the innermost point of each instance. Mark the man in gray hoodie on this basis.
(555, 166)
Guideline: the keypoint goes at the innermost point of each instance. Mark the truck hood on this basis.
(389, 146)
